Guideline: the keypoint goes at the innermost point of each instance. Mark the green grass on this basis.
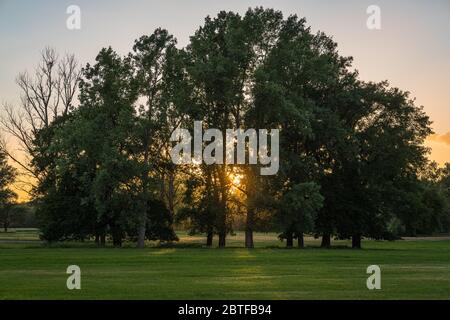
(410, 270)
(26, 234)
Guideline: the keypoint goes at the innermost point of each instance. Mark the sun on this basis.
(236, 181)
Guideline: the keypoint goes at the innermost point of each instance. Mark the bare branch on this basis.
(48, 94)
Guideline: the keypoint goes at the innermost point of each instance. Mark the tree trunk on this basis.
(301, 240)
(326, 240)
(289, 240)
(171, 194)
(144, 201)
(141, 233)
(249, 239)
(117, 240)
(356, 241)
(209, 239)
(97, 239)
(249, 229)
(102, 240)
(223, 189)
(222, 239)
(223, 212)
(117, 235)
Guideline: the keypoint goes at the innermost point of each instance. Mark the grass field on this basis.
(411, 269)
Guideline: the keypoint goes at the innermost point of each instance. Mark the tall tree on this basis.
(223, 56)
(46, 94)
(7, 195)
(218, 59)
(380, 144)
(292, 85)
(164, 95)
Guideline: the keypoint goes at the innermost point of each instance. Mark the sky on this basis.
(411, 50)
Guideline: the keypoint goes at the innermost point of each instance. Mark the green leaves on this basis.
(7, 195)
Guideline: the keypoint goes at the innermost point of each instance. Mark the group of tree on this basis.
(352, 159)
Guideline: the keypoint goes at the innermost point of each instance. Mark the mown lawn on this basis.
(410, 270)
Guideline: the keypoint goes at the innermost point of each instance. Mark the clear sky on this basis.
(412, 49)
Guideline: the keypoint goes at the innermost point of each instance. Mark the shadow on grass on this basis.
(92, 245)
(33, 244)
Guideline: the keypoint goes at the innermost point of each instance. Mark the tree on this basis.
(422, 204)
(290, 90)
(45, 95)
(104, 172)
(106, 115)
(381, 145)
(217, 64)
(65, 205)
(7, 195)
(162, 86)
(199, 209)
(223, 56)
(89, 148)
(297, 211)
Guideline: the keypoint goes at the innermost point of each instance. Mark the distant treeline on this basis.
(352, 159)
